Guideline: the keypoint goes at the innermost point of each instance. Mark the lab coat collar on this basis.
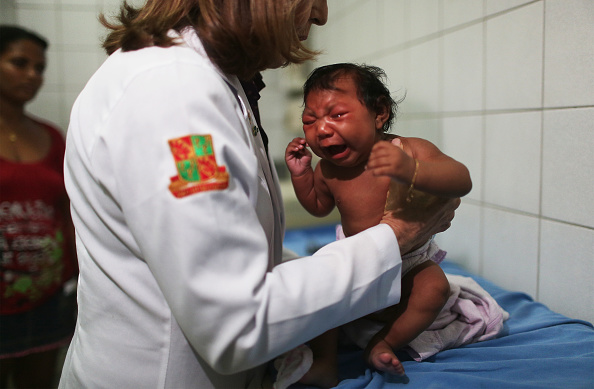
(190, 38)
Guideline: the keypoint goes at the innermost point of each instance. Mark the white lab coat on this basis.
(184, 292)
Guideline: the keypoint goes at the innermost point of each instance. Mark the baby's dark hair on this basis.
(10, 34)
(369, 80)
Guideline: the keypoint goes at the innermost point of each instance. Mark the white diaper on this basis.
(291, 366)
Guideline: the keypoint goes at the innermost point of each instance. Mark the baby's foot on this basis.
(323, 374)
(383, 359)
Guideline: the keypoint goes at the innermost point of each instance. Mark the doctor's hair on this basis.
(242, 37)
(11, 34)
(369, 80)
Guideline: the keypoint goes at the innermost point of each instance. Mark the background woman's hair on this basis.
(242, 37)
(10, 34)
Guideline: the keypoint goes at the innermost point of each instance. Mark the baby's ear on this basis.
(380, 119)
(382, 112)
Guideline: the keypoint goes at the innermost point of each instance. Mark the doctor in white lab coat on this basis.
(178, 213)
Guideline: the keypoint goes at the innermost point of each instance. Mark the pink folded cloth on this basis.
(470, 315)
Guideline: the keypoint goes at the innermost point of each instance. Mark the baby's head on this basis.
(371, 90)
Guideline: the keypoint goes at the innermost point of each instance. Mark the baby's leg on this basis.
(425, 290)
(324, 370)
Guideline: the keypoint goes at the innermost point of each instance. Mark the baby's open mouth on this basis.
(335, 149)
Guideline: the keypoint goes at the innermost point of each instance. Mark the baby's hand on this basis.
(298, 157)
(389, 159)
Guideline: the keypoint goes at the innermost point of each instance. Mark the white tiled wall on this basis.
(568, 166)
(512, 158)
(566, 253)
(462, 88)
(568, 49)
(507, 87)
(514, 58)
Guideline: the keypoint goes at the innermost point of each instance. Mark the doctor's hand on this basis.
(414, 228)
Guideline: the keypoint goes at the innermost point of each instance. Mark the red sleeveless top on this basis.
(35, 258)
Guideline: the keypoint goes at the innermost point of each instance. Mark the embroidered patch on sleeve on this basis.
(197, 169)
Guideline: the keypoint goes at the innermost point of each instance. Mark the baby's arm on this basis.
(436, 172)
(309, 186)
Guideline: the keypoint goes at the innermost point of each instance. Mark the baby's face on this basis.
(338, 127)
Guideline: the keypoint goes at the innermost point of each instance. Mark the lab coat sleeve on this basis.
(208, 251)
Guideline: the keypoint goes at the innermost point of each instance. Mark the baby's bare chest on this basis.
(360, 201)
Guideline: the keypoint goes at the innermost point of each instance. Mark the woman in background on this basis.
(37, 317)
(178, 211)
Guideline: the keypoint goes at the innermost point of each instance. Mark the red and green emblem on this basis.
(197, 168)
